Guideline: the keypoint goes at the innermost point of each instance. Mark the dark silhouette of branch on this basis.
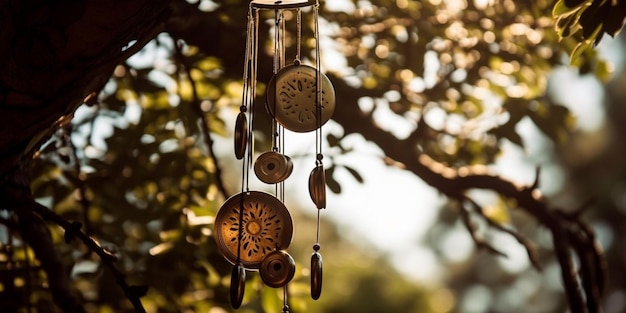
(84, 202)
(471, 228)
(35, 232)
(31, 224)
(72, 230)
(592, 262)
(203, 126)
(568, 271)
(528, 245)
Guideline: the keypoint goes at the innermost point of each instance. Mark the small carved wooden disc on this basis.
(291, 98)
(272, 167)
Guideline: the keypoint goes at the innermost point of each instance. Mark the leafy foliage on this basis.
(586, 22)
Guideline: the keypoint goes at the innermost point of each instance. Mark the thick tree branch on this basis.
(72, 230)
(35, 232)
(54, 56)
(455, 183)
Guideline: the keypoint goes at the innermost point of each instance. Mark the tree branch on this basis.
(471, 228)
(84, 202)
(18, 199)
(527, 244)
(36, 233)
(203, 126)
(72, 230)
(454, 183)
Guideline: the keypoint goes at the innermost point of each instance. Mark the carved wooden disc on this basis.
(277, 269)
(264, 222)
(291, 98)
(272, 167)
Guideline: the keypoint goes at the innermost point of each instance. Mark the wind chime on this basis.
(253, 229)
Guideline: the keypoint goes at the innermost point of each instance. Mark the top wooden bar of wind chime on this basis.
(281, 4)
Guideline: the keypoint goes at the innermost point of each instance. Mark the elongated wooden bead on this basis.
(241, 135)
(316, 275)
(237, 285)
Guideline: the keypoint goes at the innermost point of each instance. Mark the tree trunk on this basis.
(55, 56)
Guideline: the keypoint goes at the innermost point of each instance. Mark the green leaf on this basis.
(578, 51)
(561, 9)
(270, 300)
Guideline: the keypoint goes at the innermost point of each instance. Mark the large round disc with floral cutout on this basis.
(249, 225)
(292, 98)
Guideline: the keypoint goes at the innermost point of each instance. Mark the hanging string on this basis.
(276, 68)
(247, 100)
(277, 40)
(281, 129)
(254, 68)
(278, 132)
(318, 108)
(277, 65)
(283, 31)
(317, 230)
(247, 96)
(318, 87)
(299, 33)
(281, 185)
(285, 302)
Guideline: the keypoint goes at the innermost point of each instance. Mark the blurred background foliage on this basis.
(146, 168)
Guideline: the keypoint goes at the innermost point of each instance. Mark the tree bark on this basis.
(55, 56)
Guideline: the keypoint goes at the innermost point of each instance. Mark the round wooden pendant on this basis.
(250, 225)
(317, 186)
(272, 167)
(277, 269)
(241, 135)
(291, 98)
(316, 275)
(237, 286)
